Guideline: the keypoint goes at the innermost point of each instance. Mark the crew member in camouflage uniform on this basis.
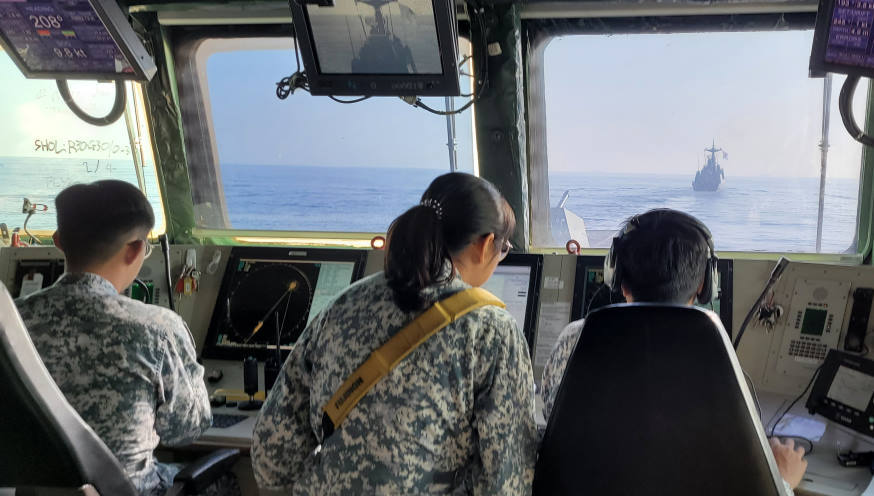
(456, 416)
(128, 368)
(664, 256)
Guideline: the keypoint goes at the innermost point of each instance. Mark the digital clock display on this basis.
(60, 37)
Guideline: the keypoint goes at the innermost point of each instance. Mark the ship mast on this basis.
(712, 151)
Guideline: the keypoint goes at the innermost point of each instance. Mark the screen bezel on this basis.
(725, 269)
(307, 255)
(356, 84)
(820, 403)
(818, 66)
(532, 306)
(122, 34)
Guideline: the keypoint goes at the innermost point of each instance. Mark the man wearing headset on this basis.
(667, 257)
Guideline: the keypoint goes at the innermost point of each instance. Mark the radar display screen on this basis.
(67, 39)
(269, 295)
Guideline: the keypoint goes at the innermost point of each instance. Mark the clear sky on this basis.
(652, 103)
(623, 103)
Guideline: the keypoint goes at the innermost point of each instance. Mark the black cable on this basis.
(287, 85)
(813, 378)
(113, 115)
(348, 101)
(165, 248)
(845, 105)
(776, 273)
(483, 82)
(296, 52)
(459, 110)
(592, 299)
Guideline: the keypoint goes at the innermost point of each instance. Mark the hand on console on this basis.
(790, 460)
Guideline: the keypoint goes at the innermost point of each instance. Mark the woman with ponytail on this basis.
(455, 416)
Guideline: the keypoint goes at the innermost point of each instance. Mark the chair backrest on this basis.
(44, 441)
(653, 401)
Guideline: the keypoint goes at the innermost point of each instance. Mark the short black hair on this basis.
(664, 254)
(96, 219)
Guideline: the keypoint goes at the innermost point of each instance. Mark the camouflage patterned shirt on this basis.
(553, 370)
(128, 368)
(456, 416)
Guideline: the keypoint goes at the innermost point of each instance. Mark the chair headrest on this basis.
(653, 397)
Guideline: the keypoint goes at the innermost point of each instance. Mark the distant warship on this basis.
(711, 175)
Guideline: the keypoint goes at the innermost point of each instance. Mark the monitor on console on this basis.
(516, 281)
(266, 290)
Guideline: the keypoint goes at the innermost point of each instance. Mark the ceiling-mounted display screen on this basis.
(378, 47)
(72, 39)
(843, 38)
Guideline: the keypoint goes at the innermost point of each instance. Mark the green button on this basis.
(871, 420)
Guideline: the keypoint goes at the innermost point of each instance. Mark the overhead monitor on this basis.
(516, 281)
(266, 290)
(378, 47)
(842, 40)
(591, 293)
(73, 39)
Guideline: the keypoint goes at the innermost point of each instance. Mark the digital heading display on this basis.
(67, 38)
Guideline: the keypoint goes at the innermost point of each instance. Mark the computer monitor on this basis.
(270, 289)
(516, 281)
(378, 47)
(842, 39)
(73, 39)
(591, 293)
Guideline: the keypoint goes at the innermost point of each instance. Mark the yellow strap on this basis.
(384, 359)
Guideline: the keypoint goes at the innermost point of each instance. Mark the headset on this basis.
(613, 266)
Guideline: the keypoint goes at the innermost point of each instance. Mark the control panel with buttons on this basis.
(816, 316)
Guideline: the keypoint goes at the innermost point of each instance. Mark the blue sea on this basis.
(747, 213)
(40, 180)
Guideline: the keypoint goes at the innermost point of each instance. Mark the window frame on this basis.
(540, 32)
(138, 130)
(200, 142)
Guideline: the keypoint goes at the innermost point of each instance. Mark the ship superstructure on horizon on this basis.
(712, 174)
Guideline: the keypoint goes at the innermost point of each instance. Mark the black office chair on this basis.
(653, 402)
(46, 448)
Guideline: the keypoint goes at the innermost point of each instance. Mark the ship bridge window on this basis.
(44, 147)
(725, 126)
(305, 163)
